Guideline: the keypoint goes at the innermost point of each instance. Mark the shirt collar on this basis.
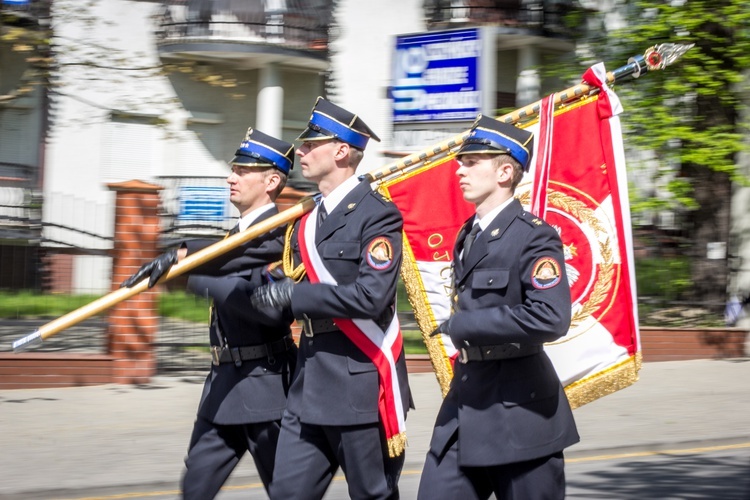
(248, 219)
(338, 194)
(485, 221)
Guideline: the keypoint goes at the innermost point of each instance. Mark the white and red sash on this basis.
(381, 348)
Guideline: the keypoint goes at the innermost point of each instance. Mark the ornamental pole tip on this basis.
(662, 55)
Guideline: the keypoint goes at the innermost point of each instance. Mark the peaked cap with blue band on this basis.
(490, 136)
(329, 121)
(262, 150)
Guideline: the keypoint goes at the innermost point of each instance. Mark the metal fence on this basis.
(181, 346)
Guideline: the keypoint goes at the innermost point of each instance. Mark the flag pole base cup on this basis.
(27, 342)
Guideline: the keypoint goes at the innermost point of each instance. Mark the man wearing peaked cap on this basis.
(329, 121)
(505, 421)
(342, 269)
(261, 150)
(253, 354)
(494, 137)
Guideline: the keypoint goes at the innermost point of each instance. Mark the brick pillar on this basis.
(59, 272)
(133, 324)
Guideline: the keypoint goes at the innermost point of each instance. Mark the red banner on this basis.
(586, 201)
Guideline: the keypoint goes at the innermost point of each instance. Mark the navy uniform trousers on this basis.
(332, 415)
(242, 403)
(504, 423)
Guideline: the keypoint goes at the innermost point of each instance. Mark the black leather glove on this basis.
(276, 295)
(443, 327)
(154, 269)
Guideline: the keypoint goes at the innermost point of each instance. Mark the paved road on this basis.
(129, 441)
(710, 473)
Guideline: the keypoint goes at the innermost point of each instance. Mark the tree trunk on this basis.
(709, 226)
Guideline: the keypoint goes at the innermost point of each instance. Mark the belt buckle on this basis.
(307, 326)
(216, 355)
(463, 355)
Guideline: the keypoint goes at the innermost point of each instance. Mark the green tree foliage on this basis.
(689, 116)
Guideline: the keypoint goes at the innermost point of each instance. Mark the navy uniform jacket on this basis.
(509, 410)
(256, 391)
(335, 383)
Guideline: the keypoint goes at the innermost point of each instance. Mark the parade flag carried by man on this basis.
(577, 183)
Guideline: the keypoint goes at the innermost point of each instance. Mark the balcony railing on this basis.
(295, 24)
(25, 12)
(538, 15)
(20, 213)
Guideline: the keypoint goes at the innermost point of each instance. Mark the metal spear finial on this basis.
(662, 55)
(658, 57)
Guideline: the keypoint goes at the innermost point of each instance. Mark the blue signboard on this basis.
(203, 203)
(435, 76)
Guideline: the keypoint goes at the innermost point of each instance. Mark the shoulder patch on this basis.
(381, 197)
(545, 273)
(380, 254)
(531, 219)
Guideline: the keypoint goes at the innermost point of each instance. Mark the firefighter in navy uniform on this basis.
(505, 421)
(350, 246)
(253, 354)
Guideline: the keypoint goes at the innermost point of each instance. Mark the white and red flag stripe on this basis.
(543, 157)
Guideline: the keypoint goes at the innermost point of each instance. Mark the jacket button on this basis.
(489, 281)
(462, 288)
(464, 378)
(532, 395)
(341, 253)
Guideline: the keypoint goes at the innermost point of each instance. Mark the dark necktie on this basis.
(322, 214)
(235, 229)
(469, 241)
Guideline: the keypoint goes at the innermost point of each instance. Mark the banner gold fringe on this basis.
(606, 382)
(396, 444)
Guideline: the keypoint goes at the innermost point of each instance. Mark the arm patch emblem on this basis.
(380, 254)
(545, 273)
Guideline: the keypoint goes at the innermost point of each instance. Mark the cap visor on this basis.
(475, 149)
(247, 161)
(311, 135)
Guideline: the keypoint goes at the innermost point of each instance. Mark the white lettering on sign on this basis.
(452, 50)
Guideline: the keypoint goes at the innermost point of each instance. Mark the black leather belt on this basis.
(317, 326)
(236, 355)
(496, 352)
